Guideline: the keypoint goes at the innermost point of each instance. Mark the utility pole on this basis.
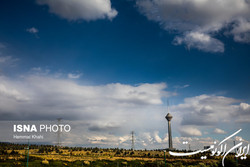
(165, 158)
(28, 148)
(133, 141)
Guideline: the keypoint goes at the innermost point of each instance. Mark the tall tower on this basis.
(133, 141)
(169, 117)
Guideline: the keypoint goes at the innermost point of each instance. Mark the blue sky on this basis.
(157, 50)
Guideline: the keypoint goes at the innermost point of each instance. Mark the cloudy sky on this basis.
(109, 67)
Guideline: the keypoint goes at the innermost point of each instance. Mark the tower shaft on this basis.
(170, 135)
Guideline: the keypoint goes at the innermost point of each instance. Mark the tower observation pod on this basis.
(169, 118)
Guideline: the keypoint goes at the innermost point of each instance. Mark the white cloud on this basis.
(98, 139)
(51, 97)
(148, 137)
(38, 71)
(74, 76)
(187, 131)
(165, 139)
(8, 61)
(206, 17)
(241, 31)
(107, 113)
(11, 93)
(123, 139)
(181, 87)
(242, 115)
(32, 30)
(206, 110)
(193, 143)
(151, 140)
(157, 137)
(245, 107)
(81, 9)
(200, 41)
(239, 138)
(219, 131)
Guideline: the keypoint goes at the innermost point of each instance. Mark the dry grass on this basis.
(71, 156)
